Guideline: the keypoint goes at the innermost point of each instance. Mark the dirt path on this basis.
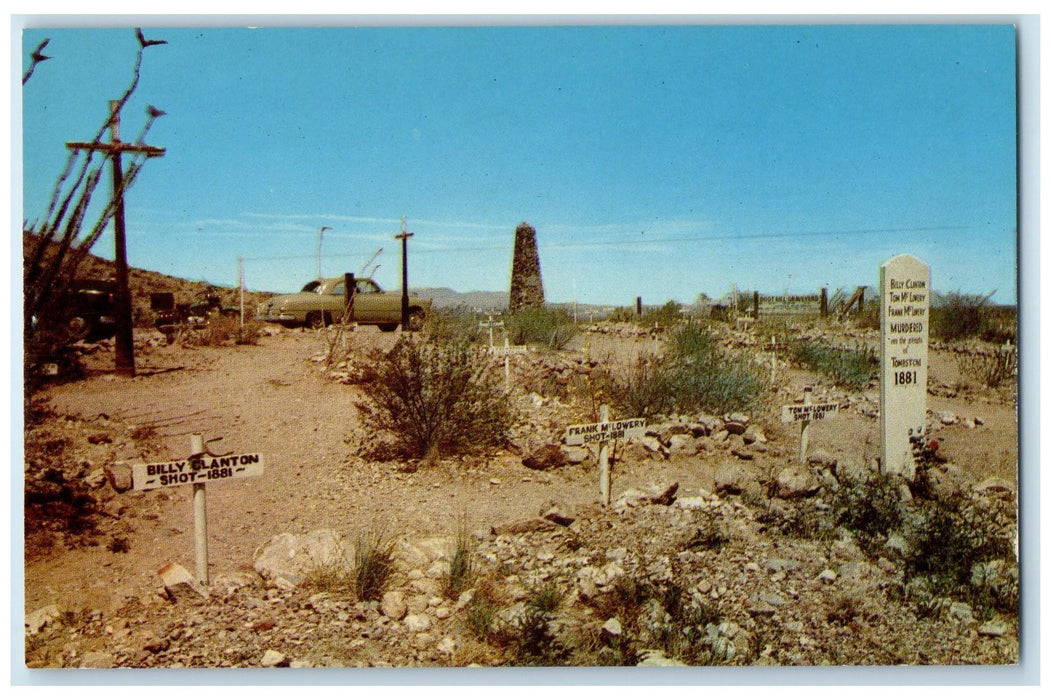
(271, 399)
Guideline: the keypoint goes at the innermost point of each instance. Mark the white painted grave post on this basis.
(200, 514)
(197, 470)
(803, 414)
(602, 432)
(603, 458)
(904, 333)
(804, 431)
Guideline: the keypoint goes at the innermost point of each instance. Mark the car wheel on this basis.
(316, 319)
(416, 317)
(388, 327)
(79, 327)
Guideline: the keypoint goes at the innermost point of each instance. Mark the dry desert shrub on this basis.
(991, 370)
(436, 398)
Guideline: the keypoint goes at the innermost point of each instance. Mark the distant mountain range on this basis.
(446, 298)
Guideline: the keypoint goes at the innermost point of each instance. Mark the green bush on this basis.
(436, 397)
(665, 316)
(853, 369)
(461, 564)
(870, 509)
(643, 389)
(693, 376)
(548, 328)
(958, 316)
(955, 548)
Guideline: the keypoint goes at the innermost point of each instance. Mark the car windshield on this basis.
(311, 286)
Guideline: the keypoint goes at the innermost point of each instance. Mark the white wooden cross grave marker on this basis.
(602, 433)
(805, 413)
(905, 300)
(197, 470)
(490, 324)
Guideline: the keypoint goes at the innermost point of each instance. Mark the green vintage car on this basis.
(323, 301)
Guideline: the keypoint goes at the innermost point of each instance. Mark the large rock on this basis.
(289, 559)
(42, 618)
(796, 482)
(178, 582)
(547, 457)
(393, 605)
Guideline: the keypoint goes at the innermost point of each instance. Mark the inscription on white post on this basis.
(905, 302)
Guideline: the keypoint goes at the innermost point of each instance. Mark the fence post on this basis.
(755, 305)
(824, 302)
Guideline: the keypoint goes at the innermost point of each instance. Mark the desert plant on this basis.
(373, 565)
(436, 397)
(480, 615)
(330, 576)
(532, 641)
(541, 326)
(957, 316)
(869, 509)
(643, 389)
(853, 369)
(545, 598)
(461, 564)
(664, 316)
(991, 370)
(704, 377)
(454, 326)
(956, 549)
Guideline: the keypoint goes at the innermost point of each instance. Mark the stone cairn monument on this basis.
(527, 289)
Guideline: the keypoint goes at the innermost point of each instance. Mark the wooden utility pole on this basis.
(404, 238)
(124, 347)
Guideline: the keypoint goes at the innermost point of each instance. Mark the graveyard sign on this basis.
(195, 470)
(807, 412)
(605, 431)
(904, 332)
(509, 350)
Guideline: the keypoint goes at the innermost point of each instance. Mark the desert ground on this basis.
(709, 553)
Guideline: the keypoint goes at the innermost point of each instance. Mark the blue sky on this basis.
(657, 161)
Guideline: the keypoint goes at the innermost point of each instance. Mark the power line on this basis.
(647, 241)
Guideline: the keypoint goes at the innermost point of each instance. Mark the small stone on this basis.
(775, 565)
(576, 454)
(393, 605)
(558, 513)
(612, 628)
(273, 659)
(962, 612)
(772, 598)
(417, 623)
(993, 629)
(547, 457)
(447, 646)
(98, 659)
(734, 428)
(827, 576)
